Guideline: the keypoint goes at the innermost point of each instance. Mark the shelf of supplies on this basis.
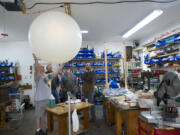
(25, 86)
(134, 68)
(7, 74)
(101, 73)
(164, 62)
(95, 59)
(165, 55)
(161, 68)
(169, 35)
(95, 66)
(133, 61)
(6, 80)
(162, 47)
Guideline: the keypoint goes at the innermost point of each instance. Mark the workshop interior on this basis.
(89, 67)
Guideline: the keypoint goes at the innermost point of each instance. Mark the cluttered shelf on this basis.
(164, 51)
(95, 59)
(93, 65)
(3, 74)
(151, 43)
(154, 68)
(165, 55)
(162, 47)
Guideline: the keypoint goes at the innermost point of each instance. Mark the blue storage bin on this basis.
(171, 58)
(13, 90)
(110, 64)
(170, 39)
(78, 73)
(162, 43)
(114, 85)
(177, 57)
(152, 61)
(146, 56)
(100, 71)
(117, 56)
(80, 65)
(177, 38)
(159, 60)
(146, 62)
(11, 64)
(164, 59)
(67, 65)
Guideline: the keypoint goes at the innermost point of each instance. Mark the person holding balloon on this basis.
(43, 92)
(54, 37)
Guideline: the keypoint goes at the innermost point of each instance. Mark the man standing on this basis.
(56, 87)
(89, 78)
(49, 69)
(42, 94)
(69, 82)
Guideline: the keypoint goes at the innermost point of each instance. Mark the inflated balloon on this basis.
(55, 37)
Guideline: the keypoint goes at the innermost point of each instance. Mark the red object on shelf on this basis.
(19, 77)
(166, 132)
(155, 131)
(136, 71)
(3, 34)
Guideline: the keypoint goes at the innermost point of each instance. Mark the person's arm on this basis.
(37, 68)
(58, 70)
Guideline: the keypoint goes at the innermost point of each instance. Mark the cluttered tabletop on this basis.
(125, 99)
(62, 108)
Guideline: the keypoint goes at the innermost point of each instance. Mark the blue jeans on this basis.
(90, 97)
(56, 96)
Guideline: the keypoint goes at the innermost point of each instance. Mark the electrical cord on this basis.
(101, 2)
(45, 10)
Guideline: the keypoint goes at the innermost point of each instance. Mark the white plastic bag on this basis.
(75, 121)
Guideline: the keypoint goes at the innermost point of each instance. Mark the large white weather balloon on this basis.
(55, 37)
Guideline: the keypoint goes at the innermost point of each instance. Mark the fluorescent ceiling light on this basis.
(84, 31)
(144, 22)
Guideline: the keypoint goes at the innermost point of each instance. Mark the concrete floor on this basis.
(27, 127)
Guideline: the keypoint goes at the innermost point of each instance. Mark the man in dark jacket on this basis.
(56, 87)
(89, 78)
(69, 82)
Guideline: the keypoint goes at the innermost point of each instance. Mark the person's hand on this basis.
(34, 56)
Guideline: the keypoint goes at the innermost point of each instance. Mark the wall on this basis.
(112, 46)
(19, 51)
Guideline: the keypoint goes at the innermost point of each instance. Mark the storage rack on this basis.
(172, 58)
(8, 73)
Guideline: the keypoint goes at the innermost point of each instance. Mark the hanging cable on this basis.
(101, 2)
(42, 11)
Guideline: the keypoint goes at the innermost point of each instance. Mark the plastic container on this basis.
(52, 102)
(145, 103)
